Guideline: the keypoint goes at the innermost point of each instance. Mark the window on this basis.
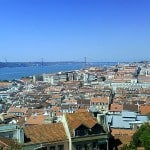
(85, 147)
(94, 145)
(81, 132)
(60, 147)
(11, 135)
(96, 129)
(76, 133)
(79, 147)
(52, 148)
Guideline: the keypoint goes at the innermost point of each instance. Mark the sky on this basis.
(69, 30)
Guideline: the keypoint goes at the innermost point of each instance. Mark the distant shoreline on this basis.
(29, 64)
(19, 70)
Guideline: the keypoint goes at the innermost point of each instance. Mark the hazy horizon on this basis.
(82, 61)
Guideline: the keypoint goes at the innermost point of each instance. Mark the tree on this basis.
(129, 147)
(142, 137)
(15, 146)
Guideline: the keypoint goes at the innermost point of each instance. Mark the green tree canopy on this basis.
(128, 147)
(142, 137)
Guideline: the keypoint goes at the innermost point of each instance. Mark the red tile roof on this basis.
(17, 109)
(77, 119)
(81, 110)
(36, 119)
(5, 84)
(33, 111)
(123, 135)
(100, 100)
(51, 101)
(49, 133)
(122, 132)
(70, 101)
(116, 107)
(145, 110)
(55, 108)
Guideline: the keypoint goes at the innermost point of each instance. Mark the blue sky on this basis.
(69, 30)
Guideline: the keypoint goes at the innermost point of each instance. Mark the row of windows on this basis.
(100, 103)
(93, 146)
(59, 147)
(86, 146)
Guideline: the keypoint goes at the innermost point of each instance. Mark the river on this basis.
(18, 72)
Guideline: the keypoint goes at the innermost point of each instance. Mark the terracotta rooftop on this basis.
(81, 110)
(8, 116)
(20, 120)
(53, 89)
(116, 107)
(123, 135)
(33, 111)
(121, 80)
(56, 96)
(100, 100)
(36, 119)
(76, 119)
(26, 79)
(130, 107)
(5, 84)
(49, 133)
(55, 108)
(72, 101)
(145, 110)
(86, 90)
(51, 101)
(17, 109)
(124, 140)
(58, 114)
(122, 132)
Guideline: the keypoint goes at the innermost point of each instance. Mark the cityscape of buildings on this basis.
(88, 109)
(74, 75)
